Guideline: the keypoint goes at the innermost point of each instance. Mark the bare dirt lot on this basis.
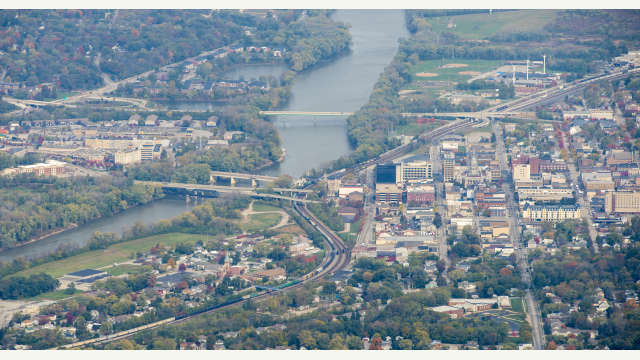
(454, 66)
(425, 74)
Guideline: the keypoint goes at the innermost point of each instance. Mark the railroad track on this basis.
(337, 258)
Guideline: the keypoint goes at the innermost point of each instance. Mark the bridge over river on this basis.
(479, 114)
(232, 189)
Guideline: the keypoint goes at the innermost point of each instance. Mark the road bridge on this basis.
(234, 175)
(478, 114)
(231, 189)
(307, 113)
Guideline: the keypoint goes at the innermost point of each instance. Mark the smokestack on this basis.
(514, 74)
(544, 64)
(527, 69)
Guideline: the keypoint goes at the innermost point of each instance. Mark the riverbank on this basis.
(43, 236)
(146, 214)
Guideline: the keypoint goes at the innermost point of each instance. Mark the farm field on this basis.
(115, 253)
(480, 26)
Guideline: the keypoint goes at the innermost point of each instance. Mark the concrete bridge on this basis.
(307, 113)
(231, 189)
(478, 114)
(233, 176)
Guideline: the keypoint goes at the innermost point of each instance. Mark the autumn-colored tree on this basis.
(552, 345)
(505, 272)
(182, 267)
(182, 285)
(376, 343)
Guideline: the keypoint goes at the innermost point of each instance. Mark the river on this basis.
(343, 84)
(146, 214)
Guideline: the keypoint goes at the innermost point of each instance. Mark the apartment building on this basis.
(622, 202)
(544, 193)
(552, 213)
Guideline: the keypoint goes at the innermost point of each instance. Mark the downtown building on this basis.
(551, 213)
(622, 202)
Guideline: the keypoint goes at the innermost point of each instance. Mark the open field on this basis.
(516, 304)
(55, 295)
(257, 206)
(114, 253)
(261, 221)
(413, 129)
(450, 69)
(126, 269)
(480, 26)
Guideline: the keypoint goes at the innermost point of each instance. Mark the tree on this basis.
(376, 343)
(405, 344)
(437, 220)
(306, 339)
(337, 343)
(163, 343)
(71, 289)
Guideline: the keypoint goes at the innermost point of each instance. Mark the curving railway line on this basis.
(338, 255)
(337, 258)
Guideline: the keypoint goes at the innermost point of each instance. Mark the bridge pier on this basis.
(254, 183)
(232, 181)
(212, 179)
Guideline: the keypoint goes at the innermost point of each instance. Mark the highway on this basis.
(553, 94)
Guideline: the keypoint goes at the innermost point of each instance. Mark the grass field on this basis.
(55, 295)
(440, 73)
(413, 129)
(264, 207)
(260, 221)
(126, 269)
(480, 26)
(517, 305)
(114, 253)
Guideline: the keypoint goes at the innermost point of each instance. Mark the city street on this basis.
(521, 256)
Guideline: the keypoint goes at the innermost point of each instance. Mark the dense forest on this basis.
(32, 206)
(20, 286)
(73, 47)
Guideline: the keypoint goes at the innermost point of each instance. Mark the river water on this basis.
(342, 85)
(146, 214)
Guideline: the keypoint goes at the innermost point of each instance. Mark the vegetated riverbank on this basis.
(213, 217)
(33, 207)
(45, 235)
